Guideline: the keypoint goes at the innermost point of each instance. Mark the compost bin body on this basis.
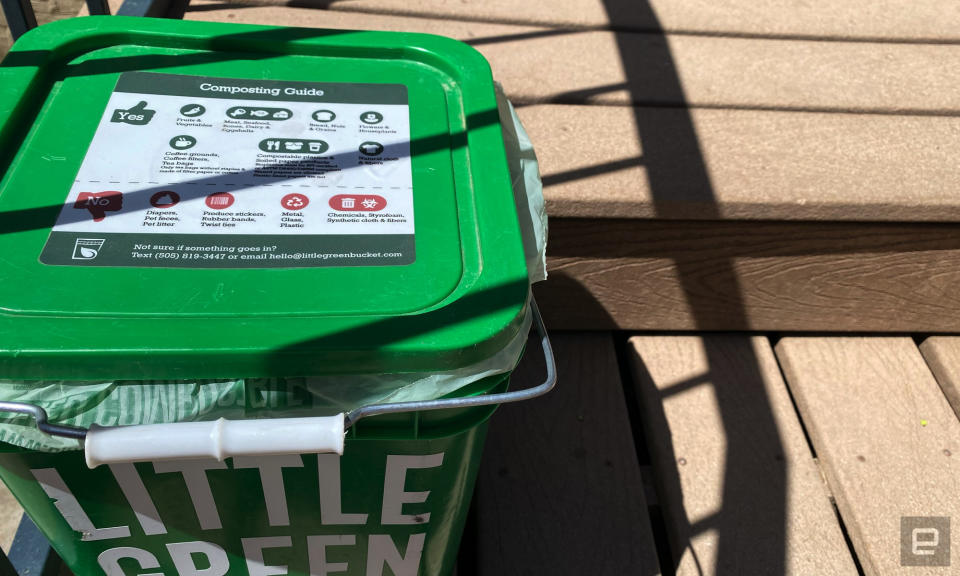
(192, 235)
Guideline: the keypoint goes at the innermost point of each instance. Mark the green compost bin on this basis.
(198, 219)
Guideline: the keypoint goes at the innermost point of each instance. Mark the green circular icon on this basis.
(183, 142)
(324, 116)
(371, 117)
(371, 148)
(192, 110)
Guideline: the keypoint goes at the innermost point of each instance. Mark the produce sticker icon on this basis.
(99, 203)
(220, 200)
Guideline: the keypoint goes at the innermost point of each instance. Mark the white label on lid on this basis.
(192, 171)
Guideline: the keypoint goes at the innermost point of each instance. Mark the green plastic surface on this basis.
(460, 301)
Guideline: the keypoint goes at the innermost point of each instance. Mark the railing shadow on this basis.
(676, 166)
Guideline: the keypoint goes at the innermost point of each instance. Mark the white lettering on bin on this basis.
(317, 553)
(136, 494)
(271, 477)
(109, 560)
(70, 509)
(394, 496)
(328, 465)
(382, 551)
(253, 552)
(182, 555)
(195, 477)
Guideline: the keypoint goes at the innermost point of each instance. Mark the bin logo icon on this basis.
(137, 115)
(87, 248)
(99, 203)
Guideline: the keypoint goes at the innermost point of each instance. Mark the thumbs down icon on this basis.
(99, 203)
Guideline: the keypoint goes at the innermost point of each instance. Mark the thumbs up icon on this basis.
(137, 115)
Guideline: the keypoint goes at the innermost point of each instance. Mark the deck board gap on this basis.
(799, 415)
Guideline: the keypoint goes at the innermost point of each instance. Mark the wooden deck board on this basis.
(740, 490)
(10, 513)
(744, 164)
(930, 20)
(559, 490)
(654, 275)
(942, 354)
(600, 67)
(775, 162)
(884, 434)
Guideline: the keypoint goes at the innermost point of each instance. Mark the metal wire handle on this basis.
(40, 415)
(484, 400)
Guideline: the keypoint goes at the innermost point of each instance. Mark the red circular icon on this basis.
(358, 202)
(165, 199)
(294, 201)
(220, 200)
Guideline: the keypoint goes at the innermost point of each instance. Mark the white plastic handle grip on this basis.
(219, 439)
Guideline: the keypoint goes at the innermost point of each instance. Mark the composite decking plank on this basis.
(538, 64)
(739, 488)
(668, 163)
(884, 434)
(770, 276)
(942, 354)
(891, 20)
(623, 162)
(559, 490)
(10, 514)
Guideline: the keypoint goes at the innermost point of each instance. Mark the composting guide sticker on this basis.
(200, 172)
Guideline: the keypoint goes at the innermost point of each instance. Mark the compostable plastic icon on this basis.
(293, 146)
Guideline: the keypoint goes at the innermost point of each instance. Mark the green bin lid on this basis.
(199, 200)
